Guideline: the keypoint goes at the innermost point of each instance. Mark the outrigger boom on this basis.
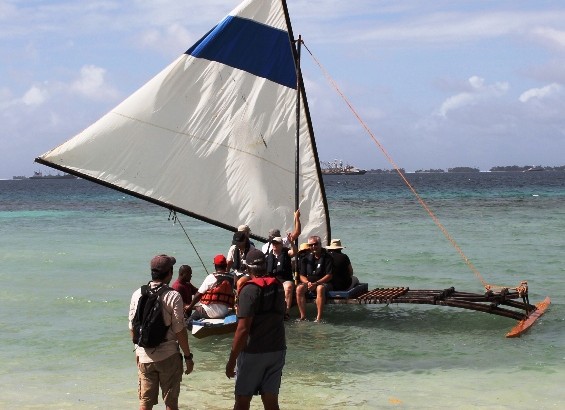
(507, 303)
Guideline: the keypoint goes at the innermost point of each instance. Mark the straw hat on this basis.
(335, 244)
(303, 247)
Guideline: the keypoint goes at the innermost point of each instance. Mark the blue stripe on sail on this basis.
(249, 46)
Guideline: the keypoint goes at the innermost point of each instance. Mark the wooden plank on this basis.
(526, 323)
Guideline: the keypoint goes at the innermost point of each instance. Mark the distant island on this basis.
(507, 168)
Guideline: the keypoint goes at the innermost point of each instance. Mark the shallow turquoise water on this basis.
(71, 254)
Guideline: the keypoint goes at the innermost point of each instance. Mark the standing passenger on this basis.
(279, 265)
(258, 350)
(183, 286)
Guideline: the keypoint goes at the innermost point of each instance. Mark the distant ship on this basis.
(337, 167)
(39, 175)
(534, 168)
(19, 177)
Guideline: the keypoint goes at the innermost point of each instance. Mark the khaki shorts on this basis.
(167, 374)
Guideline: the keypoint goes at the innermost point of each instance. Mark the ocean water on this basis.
(72, 252)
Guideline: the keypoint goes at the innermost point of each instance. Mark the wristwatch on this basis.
(189, 357)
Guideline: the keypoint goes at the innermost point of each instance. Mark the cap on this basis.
(255, 257)
(244, 228)
(238, 237)
(220, 260)
(162, 263)
(274, 232)
(277, 239)
(335, 244)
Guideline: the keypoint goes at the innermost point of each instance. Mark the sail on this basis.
(213, 134)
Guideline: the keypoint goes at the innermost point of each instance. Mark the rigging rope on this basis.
(173, 216)
(403, 177)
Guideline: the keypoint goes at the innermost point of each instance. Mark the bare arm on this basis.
(297, 227)
(194, 301)
(182, 338)
(239, 342)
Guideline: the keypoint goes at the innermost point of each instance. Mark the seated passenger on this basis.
(279, 265)
(342, 278)
(315, 276)
(215, 297)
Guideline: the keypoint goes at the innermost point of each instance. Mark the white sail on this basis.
(213, 135)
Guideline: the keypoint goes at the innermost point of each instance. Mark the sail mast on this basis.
(297, 162)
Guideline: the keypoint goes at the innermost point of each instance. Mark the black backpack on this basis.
(149, 329)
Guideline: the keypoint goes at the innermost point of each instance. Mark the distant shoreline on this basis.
(511, 168)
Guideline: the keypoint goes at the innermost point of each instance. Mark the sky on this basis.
(439, 84)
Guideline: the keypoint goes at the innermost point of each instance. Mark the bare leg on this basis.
(242, 402)
(270, 401)
(301, 300)
(320, 300)
(288, 290)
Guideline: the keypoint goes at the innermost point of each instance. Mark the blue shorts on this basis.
(259, 373)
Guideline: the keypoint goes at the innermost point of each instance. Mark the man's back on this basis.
(263, 299)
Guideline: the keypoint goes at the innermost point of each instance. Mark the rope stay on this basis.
(173, 217)
(488, 287)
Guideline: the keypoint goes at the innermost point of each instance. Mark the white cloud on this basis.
(478, 92)
(540, 93)
(173, 39)
(556, 37)
(91, 84)
(35, 96)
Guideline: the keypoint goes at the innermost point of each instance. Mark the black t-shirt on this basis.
(315, 269)
(281, 267)
(267, 307)
(340, 275)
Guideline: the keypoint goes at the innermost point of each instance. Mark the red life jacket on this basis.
(220, 293)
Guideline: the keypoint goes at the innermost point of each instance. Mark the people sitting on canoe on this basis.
(289, 239)
(342, 274)
(215, 297)
(303, 250)
(315, 276)
(279, 265)
(184, 286)
(247, 231)
(236, 257)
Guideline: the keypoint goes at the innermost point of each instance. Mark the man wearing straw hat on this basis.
(342, 278)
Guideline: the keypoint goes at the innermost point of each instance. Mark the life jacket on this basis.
(269, 286)
(221, 292)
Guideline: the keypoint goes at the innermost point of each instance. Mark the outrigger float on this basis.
(224, 135)
(513, 304)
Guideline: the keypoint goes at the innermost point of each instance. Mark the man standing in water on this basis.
(259, 347)
(162, 365)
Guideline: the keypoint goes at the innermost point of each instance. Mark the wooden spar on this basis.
(510, 304)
